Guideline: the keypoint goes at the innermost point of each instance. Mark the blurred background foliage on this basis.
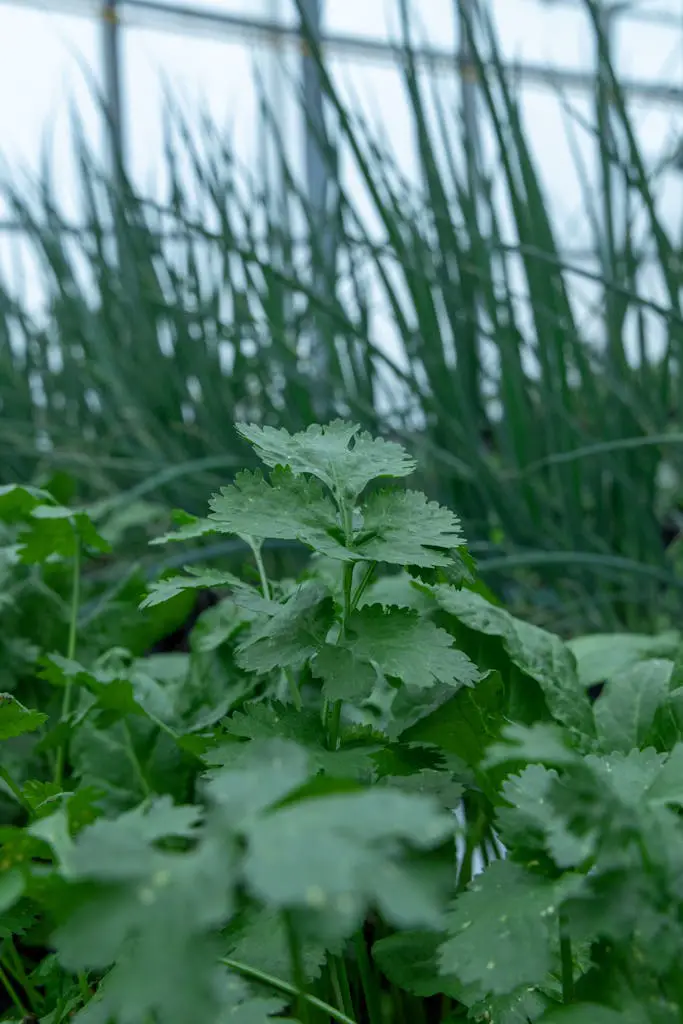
(443, 314)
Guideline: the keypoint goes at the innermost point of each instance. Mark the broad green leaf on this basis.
(17, 502)
(287, 508)
(15, 719)
(503, 929)
(404, 528)
(198, 579)
(604, 656)
(404, 645)
(591, 1013)
(465, 723)
(625, 711)
(293, 634)
(338, 454)
(346, 852)
(539, 654)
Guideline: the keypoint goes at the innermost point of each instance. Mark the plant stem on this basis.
(279, 985)
(70, 653)
(265, 585)
(566, 960)
(15, 789)
(367, 979)
(12, 993)
(340, 980)
(20, 974)
(297, 967)
(363, 585)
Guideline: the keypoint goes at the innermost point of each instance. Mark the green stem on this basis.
(135, 760)
(297, 967)
(21, 976)
(363, 585)
(15, 789)
(12, 993)
(334, 722)
(367, 980)
(278, 985)
(567, 961)
(265, 585)
(340, 980)
(70, 653)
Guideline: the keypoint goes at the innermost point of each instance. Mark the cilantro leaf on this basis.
(261, 721)
(338, 454)
(152, 913)
(293, 634)
(198, 579)
(531, 819)
(625, 711)
(404, 528)
(345, 677)
(15, 719)
(260, 940)
(538, 653)
(344, 852)
(407, 647)
(503, 928)
(286, 508)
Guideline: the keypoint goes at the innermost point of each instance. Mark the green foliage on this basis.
(264, 826)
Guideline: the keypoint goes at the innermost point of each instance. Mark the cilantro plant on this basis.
(367, 794)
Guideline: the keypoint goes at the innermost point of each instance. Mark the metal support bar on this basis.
(184, 19)
(112, 84)
(320, 185)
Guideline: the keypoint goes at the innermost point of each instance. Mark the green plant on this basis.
(265, 827)
(550, 446)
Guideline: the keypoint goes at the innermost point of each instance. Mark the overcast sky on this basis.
(42, 55)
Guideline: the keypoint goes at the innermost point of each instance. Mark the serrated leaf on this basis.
(338, 454)
(344, 676)
(409, 960)
(15, 719)
(502, 929)
(293, 634)
(261, 721)
(258, 775)
(190, 528)
(532, 819)
(538, 653)
(197, 579)
(408, 647)
(261, 941)
(404, 528)
(47, 530)
(286, 508)
(345, 852)
(152, 913)
(542, 742)
(626, 709)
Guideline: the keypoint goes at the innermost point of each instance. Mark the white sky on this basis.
(43, 56)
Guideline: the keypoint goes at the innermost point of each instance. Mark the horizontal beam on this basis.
(184, 18)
